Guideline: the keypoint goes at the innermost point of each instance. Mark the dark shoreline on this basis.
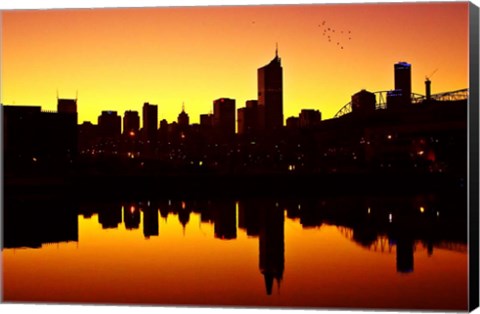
(233, 185)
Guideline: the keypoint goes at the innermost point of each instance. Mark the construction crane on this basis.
(428, 92)
(430, 76)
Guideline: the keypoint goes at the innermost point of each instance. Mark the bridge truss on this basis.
(381, 99)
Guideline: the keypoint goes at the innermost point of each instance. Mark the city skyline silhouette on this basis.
(110, 74)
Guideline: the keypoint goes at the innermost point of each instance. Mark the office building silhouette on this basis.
(293, 122)
(248, 118)
(224, 118)
(309, 118)
(363, 102)
(33, 137)
(87, 135)
(131, 122)
(109, 125)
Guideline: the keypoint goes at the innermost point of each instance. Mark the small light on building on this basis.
(390, 217)
(422, 209)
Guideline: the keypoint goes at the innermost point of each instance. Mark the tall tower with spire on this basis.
(183, 120)
(270, 94)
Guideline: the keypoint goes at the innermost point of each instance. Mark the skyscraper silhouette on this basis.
(66, 105)
(183, 119)
(109, 124)
(270, 94)
(131, 122)
(224, 117)
(248, 118)
(150, 120)
(403, 80)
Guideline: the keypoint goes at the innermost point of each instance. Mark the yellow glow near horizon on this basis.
(117, 59)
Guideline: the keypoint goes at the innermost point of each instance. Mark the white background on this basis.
(77, 309)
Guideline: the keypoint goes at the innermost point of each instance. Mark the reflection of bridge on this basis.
(381, 97)
(380, 245)
(383, 245)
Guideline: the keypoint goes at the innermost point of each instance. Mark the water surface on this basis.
(400, 252)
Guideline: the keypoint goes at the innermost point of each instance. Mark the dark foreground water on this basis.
(396, 252)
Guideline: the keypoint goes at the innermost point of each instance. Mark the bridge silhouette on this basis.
(381, 99)
(383, 245)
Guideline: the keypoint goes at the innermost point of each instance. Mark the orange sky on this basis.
(118, 59)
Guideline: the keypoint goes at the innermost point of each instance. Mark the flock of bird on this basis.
(340, 37)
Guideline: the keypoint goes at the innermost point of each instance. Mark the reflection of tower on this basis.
(272, 247)
(225, 219)
(150, 221)
(183, 214)
(110, 216)
(206, 211)
(164, 210)
(270, 94)
(248, 217)
(131, 217)
(405, 254)
(33, 223)
(310, 215)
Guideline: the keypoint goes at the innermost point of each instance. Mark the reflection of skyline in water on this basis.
(383, 225)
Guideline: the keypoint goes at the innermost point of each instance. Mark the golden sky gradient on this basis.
(117, 59)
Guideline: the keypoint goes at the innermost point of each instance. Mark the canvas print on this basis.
(281, 156)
